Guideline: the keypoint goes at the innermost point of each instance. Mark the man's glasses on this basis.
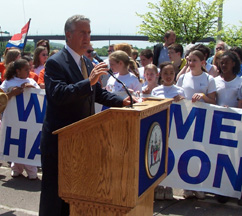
(89, 51)
(218, 48)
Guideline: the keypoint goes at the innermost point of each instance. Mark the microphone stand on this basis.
(126, 89)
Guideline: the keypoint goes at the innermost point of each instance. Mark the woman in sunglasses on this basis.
(40, 57)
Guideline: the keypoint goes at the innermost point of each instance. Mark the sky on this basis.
(107, 16)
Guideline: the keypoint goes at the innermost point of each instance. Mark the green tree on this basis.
(232, 35)
(191, 20)
(2, 48)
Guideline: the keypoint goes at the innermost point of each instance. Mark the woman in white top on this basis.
(228, 84)
(120, 64)
(198, 85)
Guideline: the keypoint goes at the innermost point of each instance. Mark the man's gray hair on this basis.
(69, 25)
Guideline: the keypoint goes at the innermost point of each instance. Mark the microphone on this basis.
(126, 89)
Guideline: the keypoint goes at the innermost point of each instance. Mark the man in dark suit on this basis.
(161, 50)
(71, 89)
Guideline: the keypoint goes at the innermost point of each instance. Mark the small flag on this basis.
(19, 40)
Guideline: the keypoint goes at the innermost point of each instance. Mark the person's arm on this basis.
(209, 98)
(14, 92)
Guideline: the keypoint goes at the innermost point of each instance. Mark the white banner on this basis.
(205, 148)
(21, 127)
(205, 144)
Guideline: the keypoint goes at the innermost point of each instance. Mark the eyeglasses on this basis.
(45, 55)
(89, 51)
(110, 50)
(218, 48)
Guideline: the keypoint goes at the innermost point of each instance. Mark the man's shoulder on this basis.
(58, 57)
(159, 46)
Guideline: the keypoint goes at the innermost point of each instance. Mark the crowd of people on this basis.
(165, 72)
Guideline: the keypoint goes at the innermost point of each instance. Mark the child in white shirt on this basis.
(198, 85)
(16, 80)
(228, 83)
(151, 76)
(168, 89)
(120, 64)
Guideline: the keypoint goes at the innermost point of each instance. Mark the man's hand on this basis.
(127, 102)
(97, 71)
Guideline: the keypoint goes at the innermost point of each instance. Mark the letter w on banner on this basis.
(205, 148)
(21, 127)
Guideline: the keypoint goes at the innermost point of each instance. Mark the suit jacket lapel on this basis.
(73, 66)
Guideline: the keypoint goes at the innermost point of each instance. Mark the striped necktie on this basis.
(83, 68)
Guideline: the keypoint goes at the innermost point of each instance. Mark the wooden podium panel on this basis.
(100, 161)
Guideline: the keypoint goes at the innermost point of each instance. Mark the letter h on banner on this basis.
(21, 142)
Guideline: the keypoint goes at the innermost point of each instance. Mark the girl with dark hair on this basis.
(168, 89)
(16, 79)
(228, 84)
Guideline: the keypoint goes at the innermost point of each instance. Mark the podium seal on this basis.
(153, 150)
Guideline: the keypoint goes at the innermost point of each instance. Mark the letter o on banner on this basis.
(171, 161)
(183, 166)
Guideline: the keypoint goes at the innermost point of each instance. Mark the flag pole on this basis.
(25, 40)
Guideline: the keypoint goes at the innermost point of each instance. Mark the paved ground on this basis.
(20, 197)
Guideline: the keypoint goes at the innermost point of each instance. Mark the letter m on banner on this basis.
(182, 127)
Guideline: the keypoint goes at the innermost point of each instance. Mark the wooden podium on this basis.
(110, 163)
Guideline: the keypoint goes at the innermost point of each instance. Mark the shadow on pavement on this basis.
(23, 183)
(10, 213)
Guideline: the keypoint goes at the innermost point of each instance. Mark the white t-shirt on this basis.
(203, 83)
(7, 84)
(167, 91)
(228, 93)
(38, 69)
(130, 80)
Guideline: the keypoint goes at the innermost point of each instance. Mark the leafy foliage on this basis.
(192, 20)
(232, 35)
